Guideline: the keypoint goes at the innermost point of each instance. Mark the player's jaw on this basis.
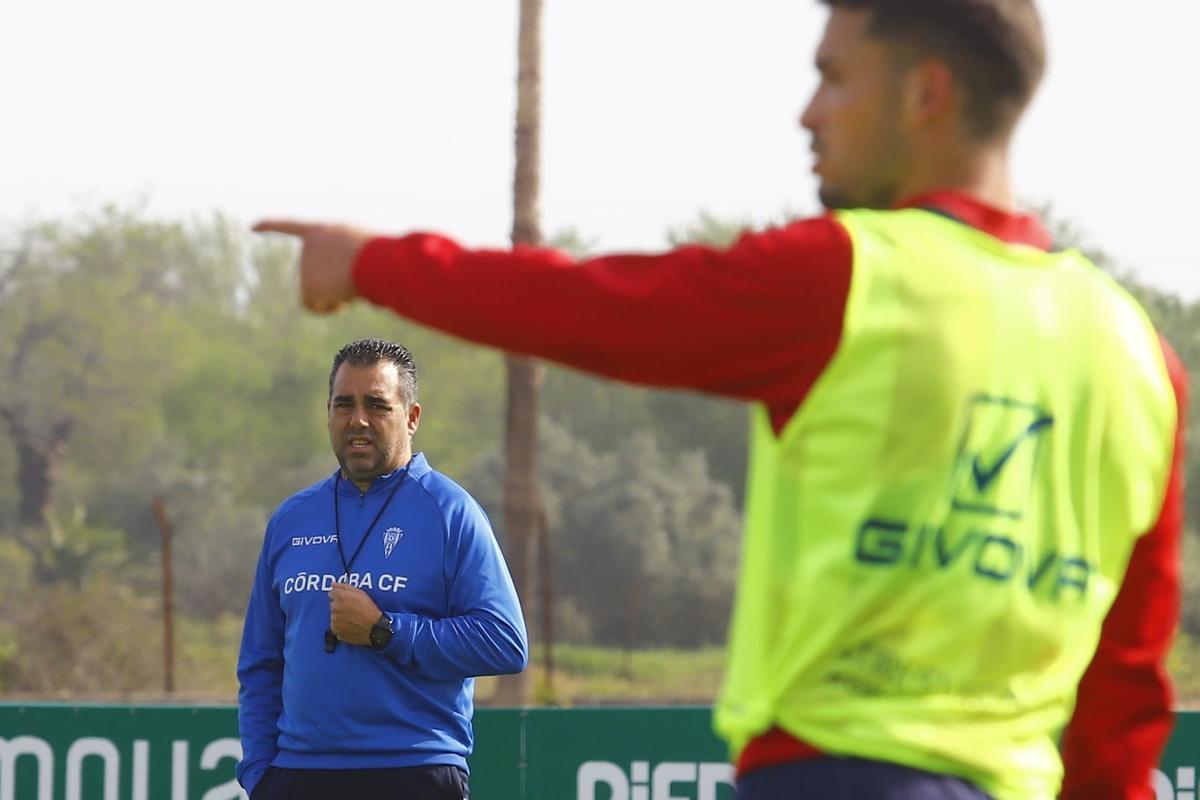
(866, 176)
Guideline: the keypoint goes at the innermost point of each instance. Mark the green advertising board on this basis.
(623, 754)
(50, 752)
(1175, 778)
(61, 752)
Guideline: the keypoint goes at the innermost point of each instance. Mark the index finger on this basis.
(289, 226)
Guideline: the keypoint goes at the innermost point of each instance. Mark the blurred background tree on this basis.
(144, 358)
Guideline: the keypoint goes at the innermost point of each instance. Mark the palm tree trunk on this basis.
(38, 462)
(522, 498)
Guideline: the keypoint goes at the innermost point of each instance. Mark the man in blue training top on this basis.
(380, 593)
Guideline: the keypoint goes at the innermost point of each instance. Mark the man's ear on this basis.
(414, 418)
(929, 92)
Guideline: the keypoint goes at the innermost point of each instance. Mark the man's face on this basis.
(854, 116)
(370, 427)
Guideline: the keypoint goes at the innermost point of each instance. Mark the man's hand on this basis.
(326, 254)
(352, 613)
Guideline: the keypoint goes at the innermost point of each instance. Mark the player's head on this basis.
(904, 82)
(368, 352)
(373, 408)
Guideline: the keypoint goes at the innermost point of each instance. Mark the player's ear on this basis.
(414, 418)
(929, 90)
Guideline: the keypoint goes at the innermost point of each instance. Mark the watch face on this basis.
(380, 635)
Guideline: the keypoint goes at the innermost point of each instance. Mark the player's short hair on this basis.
(367, 352)
(995, 48)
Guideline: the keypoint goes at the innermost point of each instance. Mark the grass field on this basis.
(584, 675)
(601, 676)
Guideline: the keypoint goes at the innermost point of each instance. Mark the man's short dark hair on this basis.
(996, 49)
(367, 352)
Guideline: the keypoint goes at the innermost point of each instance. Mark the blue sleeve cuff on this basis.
(250, 774)
(404, 636)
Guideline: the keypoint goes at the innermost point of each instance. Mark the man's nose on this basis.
(806, 118)
(808, 115)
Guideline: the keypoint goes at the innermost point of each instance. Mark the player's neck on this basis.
(982, 173)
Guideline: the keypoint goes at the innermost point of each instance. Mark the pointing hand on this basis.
(327, 253)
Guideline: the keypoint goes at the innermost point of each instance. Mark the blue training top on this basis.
(432, 564)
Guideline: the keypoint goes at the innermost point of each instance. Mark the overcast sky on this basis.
(399, 115)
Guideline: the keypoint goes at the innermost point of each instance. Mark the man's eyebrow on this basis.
(375, 398)
(339, 397)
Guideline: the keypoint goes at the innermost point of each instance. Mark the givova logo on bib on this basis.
(998, 456)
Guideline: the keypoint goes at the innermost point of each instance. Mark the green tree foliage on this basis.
(599, 411)
(102, 638)
(144, 358)
(148, 359)
(78, 304)
(644, 543)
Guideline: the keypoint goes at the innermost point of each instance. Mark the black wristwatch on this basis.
(381, 633)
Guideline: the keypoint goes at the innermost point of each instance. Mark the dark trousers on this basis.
(435, 782)
(851, 779)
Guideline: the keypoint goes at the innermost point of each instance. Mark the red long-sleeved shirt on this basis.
(759, 321)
